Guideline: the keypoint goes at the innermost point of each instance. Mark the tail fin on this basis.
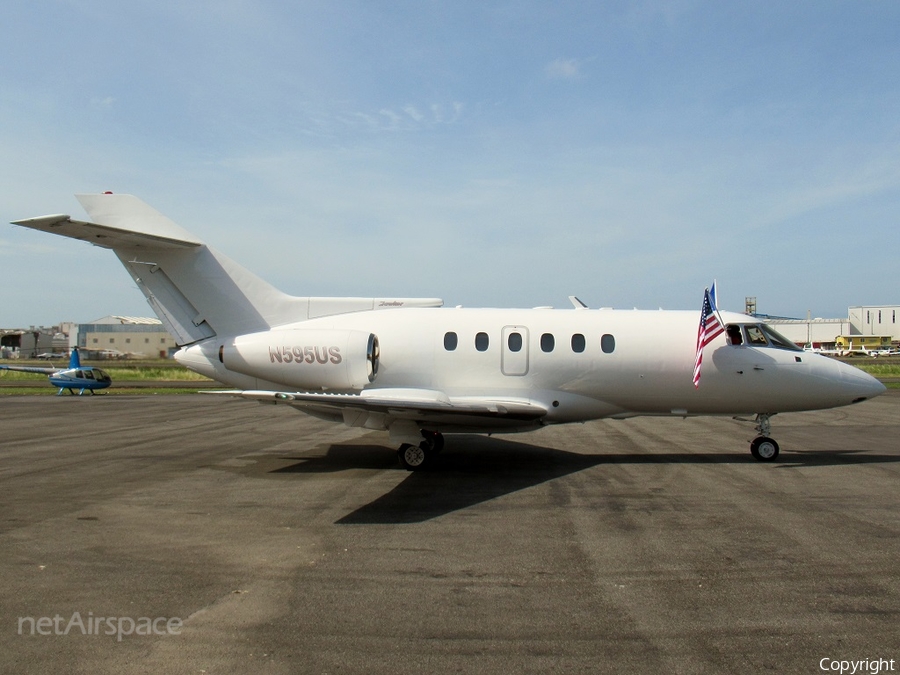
(196, 291)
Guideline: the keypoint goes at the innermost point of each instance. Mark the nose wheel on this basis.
(762, 447)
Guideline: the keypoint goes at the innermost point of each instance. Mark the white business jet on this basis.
(419, 371)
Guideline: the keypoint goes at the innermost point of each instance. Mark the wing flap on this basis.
(402, 403)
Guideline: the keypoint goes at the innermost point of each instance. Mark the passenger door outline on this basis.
(514, 363)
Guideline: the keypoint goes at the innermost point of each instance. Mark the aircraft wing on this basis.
(415, 404)
(31, 369)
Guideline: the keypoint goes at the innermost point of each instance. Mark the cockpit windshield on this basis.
(778, 340)
(755, 336)
(759, 335)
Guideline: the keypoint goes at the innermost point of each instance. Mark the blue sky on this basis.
(489, 153)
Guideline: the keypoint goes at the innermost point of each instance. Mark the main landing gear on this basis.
(419, 456)
(762, 447)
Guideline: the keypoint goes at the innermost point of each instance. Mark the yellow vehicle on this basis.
(862, 344)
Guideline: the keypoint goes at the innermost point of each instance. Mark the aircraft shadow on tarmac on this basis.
(476, 469)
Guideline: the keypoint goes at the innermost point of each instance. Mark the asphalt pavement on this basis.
(199, 534)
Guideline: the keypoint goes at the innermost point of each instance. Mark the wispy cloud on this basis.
(104, 103)
(563, 69)
(408, 117)
(413, 113)
(393, 118)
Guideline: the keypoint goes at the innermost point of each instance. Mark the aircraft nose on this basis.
(862, 385)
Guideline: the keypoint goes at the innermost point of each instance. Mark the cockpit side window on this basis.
(735, 337)
(89, 374)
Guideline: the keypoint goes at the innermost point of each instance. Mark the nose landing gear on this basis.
(762, 447)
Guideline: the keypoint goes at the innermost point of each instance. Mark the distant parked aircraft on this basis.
(854, 351)
(76, 376)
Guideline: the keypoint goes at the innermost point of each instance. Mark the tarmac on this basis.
(238, 537)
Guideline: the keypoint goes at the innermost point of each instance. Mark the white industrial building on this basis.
(864, 320)
(125, 336)
(108, 337)
(875, 320)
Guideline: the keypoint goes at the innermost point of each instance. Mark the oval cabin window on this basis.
(578, 343)
(450, 341)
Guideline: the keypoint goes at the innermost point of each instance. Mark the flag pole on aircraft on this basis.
(711, 326)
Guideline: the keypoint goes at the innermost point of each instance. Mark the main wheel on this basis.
(435, 438)
(413, 457)
(764, 449)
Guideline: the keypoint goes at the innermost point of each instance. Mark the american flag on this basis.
(710, 328)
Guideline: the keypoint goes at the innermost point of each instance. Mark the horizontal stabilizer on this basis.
(104, 235)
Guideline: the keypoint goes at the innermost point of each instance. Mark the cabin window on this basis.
(578, 343)
(548, 342)
(481, 342)
(88, 375)
(450, 341)
(608, 343)
(514, 342)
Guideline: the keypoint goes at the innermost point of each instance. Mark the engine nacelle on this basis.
(309, 360)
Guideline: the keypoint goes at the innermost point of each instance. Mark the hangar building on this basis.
(862, 320)
(121, 336)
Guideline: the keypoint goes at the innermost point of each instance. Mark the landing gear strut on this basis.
(418, 457)
(764, 448)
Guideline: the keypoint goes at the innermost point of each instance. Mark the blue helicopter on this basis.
(76, 376)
